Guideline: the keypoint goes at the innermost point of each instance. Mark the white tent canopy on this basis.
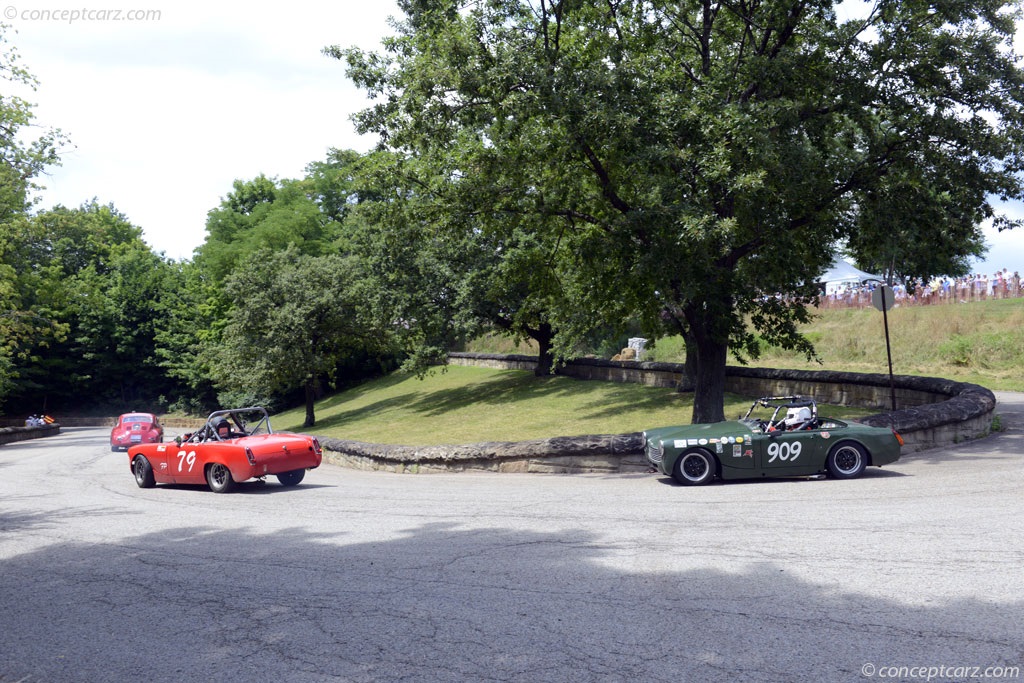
(842, 274)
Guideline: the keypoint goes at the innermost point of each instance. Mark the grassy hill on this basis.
(469, 405)
(979, 342)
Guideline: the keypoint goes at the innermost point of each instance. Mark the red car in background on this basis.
(135, 428)
(233, 446)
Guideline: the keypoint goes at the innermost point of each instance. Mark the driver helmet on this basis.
(796, 416)
(223, 428)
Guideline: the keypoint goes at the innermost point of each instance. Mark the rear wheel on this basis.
(143, 472)
(694, 468)
(218, 478)
(846, 460)
(291, 478)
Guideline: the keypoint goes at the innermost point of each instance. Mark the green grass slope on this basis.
(981, 342)
(469, 405)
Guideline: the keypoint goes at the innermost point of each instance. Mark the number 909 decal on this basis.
(787, 451)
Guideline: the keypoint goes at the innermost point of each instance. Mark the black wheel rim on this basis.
(219, 476)
(695, 467)
(847, 460)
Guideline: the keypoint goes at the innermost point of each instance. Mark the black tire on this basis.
(847, 460)
(218, 478)
(291, 478)
(143, 472)
(694, 468)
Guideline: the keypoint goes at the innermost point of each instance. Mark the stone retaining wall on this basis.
(932, 412)
(592, 453)
(12, 434)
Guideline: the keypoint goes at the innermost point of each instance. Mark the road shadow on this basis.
(441, 602)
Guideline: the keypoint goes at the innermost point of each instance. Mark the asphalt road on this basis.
(913, 573)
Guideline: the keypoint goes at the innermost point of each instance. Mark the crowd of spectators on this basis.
(943, 290)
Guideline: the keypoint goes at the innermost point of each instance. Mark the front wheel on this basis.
(694, 468)
(846, 460)
(143, 472)
(291, 478)
(218, 477)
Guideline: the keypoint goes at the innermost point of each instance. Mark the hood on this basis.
(717, 430)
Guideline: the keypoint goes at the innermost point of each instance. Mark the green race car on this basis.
(794, 443)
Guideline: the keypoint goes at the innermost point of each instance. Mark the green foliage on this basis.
(452, 272)
(89, 287)
(293, 317)
(958, 350)
(21, 159)
(677, 162)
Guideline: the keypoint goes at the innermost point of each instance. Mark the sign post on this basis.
(883, 299)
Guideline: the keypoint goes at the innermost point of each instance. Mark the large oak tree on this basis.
(695, 163)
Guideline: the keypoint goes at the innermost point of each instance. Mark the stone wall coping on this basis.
(556, 447)
(12, 434)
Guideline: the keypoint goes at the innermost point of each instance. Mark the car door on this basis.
(783, 452)
(185, 463)
(794, 453)
(159, 456)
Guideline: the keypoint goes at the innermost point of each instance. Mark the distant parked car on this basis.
(135, 428)
(233, 446)
(791, 440)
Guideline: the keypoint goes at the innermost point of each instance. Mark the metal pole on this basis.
(888, 348)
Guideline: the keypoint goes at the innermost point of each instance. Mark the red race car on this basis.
(135, 428)
(233, 446)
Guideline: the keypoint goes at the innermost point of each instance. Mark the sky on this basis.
(167, 107)
(167, 104)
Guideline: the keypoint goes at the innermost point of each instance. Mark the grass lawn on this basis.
(469, 405)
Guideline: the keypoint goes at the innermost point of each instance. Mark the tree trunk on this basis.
(310, 402)
(545, 359)
(711, 353)
(688, 382)
(709, 390)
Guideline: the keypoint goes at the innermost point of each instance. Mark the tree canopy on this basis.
(696, 164)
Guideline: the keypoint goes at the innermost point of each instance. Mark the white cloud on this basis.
(166, 113)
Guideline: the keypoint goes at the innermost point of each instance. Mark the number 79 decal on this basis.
(787, 451)
(189, 457)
